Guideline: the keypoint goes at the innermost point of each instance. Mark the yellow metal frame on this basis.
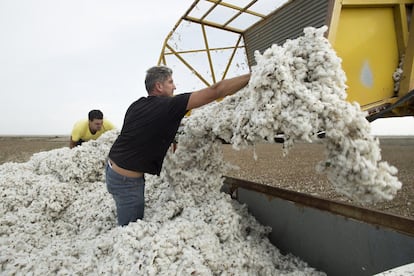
(169, 48)
(380, 98)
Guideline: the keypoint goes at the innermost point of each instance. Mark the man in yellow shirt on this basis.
(90, 129)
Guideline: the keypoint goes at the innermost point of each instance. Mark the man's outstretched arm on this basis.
(218, 90)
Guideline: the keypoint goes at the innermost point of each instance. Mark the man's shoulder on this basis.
(154, 103)
(108, 125)
(79, 128)
(149, 100)
(165, 98)
(175, 99)
(81, 123)
(183, 95)
(182, 99)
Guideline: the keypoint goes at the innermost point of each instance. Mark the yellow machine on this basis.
(372, 37)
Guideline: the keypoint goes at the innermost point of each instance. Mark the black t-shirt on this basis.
(149, 128)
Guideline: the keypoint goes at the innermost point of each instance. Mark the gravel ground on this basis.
(296, 171)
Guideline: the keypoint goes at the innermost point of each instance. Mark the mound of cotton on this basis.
(56, 217)
(299, 89)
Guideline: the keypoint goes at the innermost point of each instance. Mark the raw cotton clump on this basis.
(305, 84)
(56, 217)
(299, 89)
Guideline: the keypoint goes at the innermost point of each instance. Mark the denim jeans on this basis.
(128, 194)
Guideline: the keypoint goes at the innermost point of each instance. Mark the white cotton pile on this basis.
(56, 217)
(299, 89)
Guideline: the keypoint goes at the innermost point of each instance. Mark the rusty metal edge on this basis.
(380, 219)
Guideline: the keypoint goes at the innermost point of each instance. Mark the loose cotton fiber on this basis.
(299, 89)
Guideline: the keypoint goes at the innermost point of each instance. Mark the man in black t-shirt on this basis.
(149, 128)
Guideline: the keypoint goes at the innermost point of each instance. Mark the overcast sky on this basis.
(59, 59)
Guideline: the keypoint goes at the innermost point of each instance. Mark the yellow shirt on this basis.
(81, 130)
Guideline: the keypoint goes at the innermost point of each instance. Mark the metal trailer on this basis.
(373, 38)
(334, 237)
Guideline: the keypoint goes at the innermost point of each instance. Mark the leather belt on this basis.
(124, 172)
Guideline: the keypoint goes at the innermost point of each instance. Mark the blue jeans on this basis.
(128, 194)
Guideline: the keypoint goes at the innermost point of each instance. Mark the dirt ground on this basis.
(21, 148)
(296, 171)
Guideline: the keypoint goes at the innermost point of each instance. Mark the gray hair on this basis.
(156, 74)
